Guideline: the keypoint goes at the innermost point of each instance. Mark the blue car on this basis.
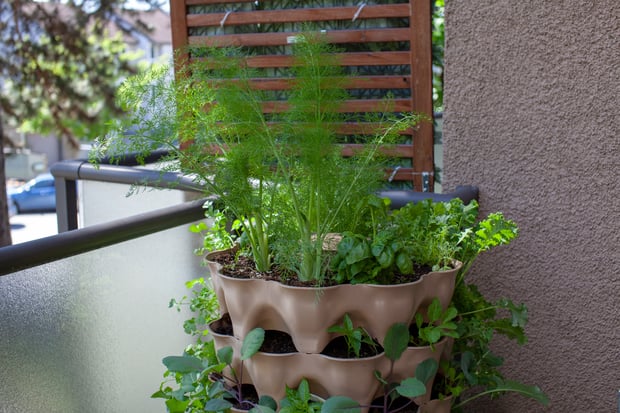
(36, 195)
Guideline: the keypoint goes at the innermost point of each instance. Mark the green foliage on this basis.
(252, 343)
(410, 387)
(203, 304)
(426, 233)
(416, 386)
(201, 383)
(473, 365)
(435, 325)
(280, 175)
(215, 234)
(187, 386)
(488, 233)
(340, 404)
(433, 229)
(396, 341)
(354, 336)
(300, 400)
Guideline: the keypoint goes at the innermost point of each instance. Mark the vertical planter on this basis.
(307, 313)
(328, 376)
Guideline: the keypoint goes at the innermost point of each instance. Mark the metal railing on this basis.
(67, 173)
(66, 244)
(72, 241)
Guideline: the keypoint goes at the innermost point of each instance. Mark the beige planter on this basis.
(436, 406)
(223, 340)
(405, 366)
(307, 313)
(327, 376)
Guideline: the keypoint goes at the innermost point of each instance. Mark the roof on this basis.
(154, 24)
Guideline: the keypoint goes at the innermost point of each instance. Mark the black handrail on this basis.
(399, 198)
(45, 250)
(67, 173)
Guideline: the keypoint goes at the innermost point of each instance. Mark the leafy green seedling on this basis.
(354, 336)
(300, 400)
(438, 324)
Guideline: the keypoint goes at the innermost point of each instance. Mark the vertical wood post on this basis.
(178, 26)
(422, 89)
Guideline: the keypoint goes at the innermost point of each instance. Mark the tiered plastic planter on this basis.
(306, 315)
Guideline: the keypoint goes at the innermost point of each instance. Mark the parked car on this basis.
(36, 195)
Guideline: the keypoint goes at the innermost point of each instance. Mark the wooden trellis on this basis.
(386, 51)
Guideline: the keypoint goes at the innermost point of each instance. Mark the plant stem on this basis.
(493, 307)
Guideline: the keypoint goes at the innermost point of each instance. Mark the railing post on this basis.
(66, 174)
(66, 203)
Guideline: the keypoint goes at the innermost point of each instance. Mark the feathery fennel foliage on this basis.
(280, 172)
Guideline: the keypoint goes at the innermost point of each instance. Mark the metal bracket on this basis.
(426, 182)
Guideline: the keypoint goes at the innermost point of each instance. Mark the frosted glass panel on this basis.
(87, 334)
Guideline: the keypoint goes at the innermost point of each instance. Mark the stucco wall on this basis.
(532, 98)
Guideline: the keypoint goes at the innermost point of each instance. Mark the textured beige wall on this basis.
(532, 117)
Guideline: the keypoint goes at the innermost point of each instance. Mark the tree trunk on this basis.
(5, 225)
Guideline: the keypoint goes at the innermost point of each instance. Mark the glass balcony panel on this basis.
(87, 333)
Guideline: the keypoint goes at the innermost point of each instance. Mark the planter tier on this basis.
(436, 406)
(327, 376)
(307, 313)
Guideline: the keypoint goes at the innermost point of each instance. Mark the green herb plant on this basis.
(425, 233)
(202, 303)
(395, 343)
(354, 336)
(216, 234)
(300, 400)
(473, 369)
(209, 383)
(435, 325)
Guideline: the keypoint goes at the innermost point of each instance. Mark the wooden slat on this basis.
(297, 15)
(206, 2)
(353, 82)
(353, 128)
(395, 151)
(345, 59)
(284, 38)
(351, 106)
